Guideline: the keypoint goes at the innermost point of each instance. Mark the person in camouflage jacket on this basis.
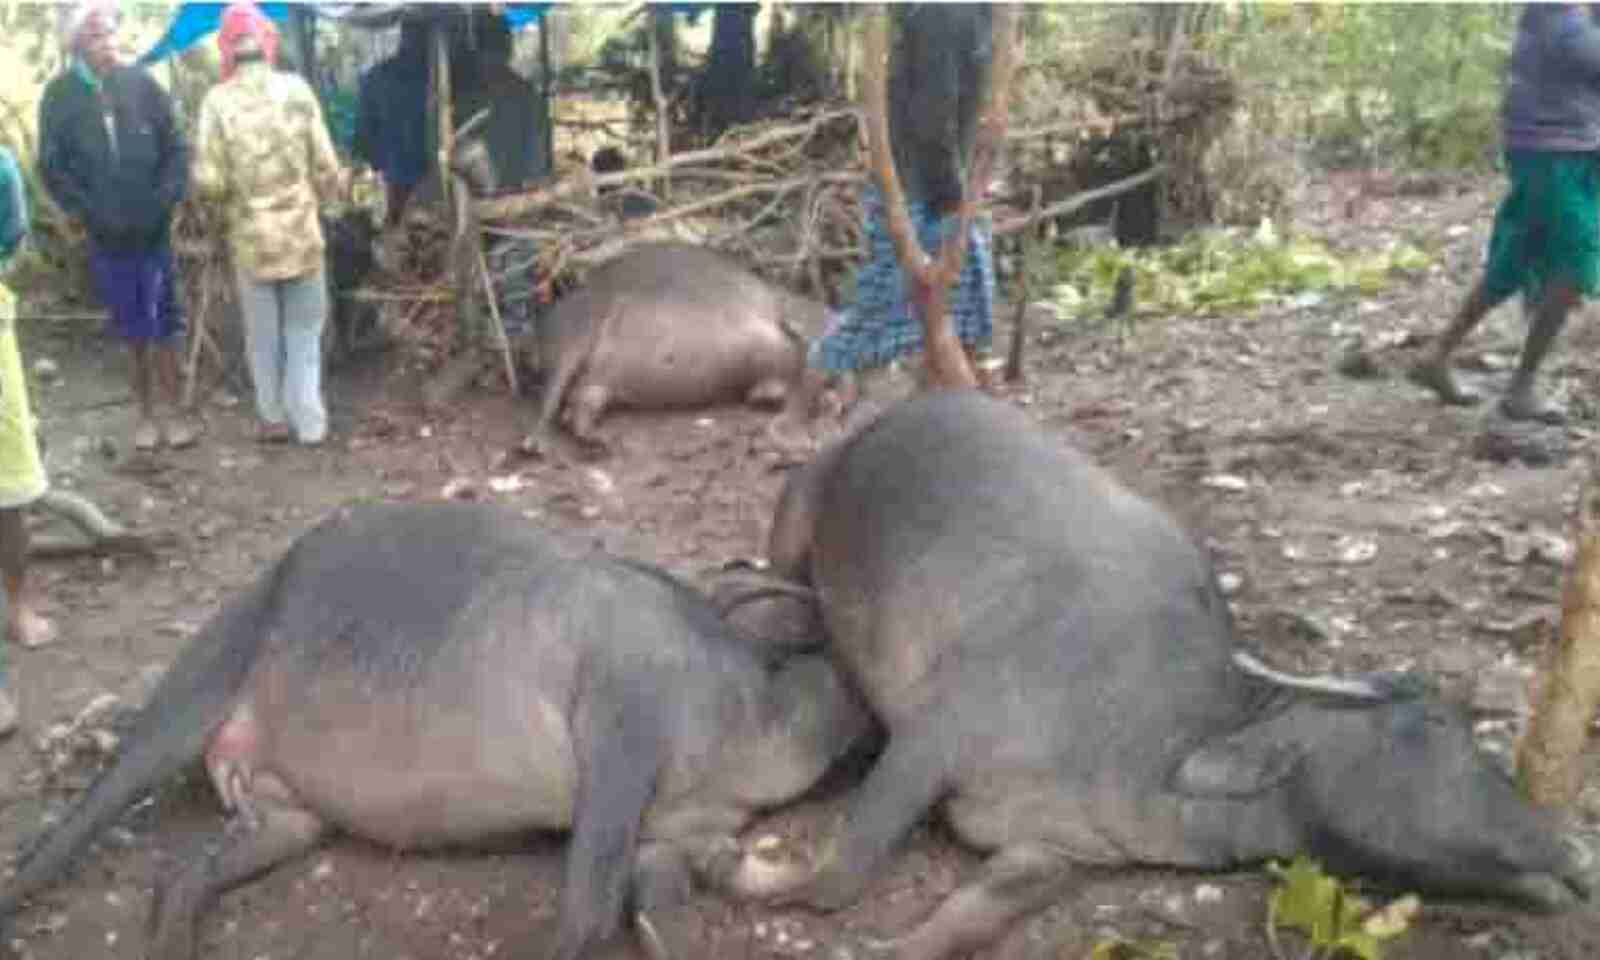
(263, 152)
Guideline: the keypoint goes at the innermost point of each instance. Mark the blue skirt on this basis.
(879, 325)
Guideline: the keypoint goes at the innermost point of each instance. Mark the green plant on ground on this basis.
(1118, 948)
(1225, 269)
(1334, 922)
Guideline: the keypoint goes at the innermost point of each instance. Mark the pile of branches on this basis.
(780, 195)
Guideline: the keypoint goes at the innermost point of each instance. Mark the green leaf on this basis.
(1116, 948)
(1317, 905)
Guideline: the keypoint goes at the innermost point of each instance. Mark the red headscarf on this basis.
(245, 27)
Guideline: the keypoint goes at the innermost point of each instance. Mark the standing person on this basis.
(112, 157)
(937, 72)
(1546, 238)
(391, 119)
(264, 153)
(22, 476)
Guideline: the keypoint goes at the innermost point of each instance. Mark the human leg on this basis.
(1433, 371)
(263, 332)
(1549, 316)
(159, 298)
(305, 313)
(1505, 273)
(22, 481)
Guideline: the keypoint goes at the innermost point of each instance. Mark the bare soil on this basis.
(1353, 518)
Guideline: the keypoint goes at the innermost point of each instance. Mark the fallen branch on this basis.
(511, 206)
(1078, 201)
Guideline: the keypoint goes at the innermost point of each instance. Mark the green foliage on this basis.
(1415, 83)
(1224, 269)
(1117, 948)
(1335, 922)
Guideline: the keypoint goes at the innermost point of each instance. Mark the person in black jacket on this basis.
(938, 68)
(112, 157)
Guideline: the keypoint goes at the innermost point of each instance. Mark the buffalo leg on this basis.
(662, 886)
(266, 831)
(588, 405)
(619, 754)
(900, 789)
(1014, 883)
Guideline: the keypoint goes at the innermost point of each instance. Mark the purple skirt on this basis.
(140, 291)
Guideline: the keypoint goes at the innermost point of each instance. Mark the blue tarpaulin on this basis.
(195, 21)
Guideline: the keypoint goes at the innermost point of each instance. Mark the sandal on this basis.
(273, 433)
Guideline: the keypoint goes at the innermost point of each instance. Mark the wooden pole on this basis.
(547, 85)
(443, 105)
(658, 94)
(1548, 759)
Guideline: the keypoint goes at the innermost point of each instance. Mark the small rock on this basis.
(1227, 481)
(46, 369)
(506, 484)
(459, 488)
(1229, 583)
(1353, 550)
(1208, 893)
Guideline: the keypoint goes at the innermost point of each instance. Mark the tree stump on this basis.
(1548, 762)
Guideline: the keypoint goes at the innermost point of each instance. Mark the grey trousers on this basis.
(283, 321)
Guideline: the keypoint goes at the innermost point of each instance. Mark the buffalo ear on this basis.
(1243, 765)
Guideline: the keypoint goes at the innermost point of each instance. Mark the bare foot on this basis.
(1437, 377)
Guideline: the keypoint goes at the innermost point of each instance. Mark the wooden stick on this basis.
(503, 341)
(1019, 321)
(196, 337)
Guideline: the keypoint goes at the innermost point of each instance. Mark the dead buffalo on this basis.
(450, 674)
(669, 325)
(1057, 670)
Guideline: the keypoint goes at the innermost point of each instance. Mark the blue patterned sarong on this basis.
(880, 325)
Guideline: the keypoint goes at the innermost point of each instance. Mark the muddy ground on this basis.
(1356, 522)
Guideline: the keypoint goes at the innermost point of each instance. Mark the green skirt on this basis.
(1547, 227)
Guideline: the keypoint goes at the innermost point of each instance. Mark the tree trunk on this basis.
(1549, 757)
(930, 279)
